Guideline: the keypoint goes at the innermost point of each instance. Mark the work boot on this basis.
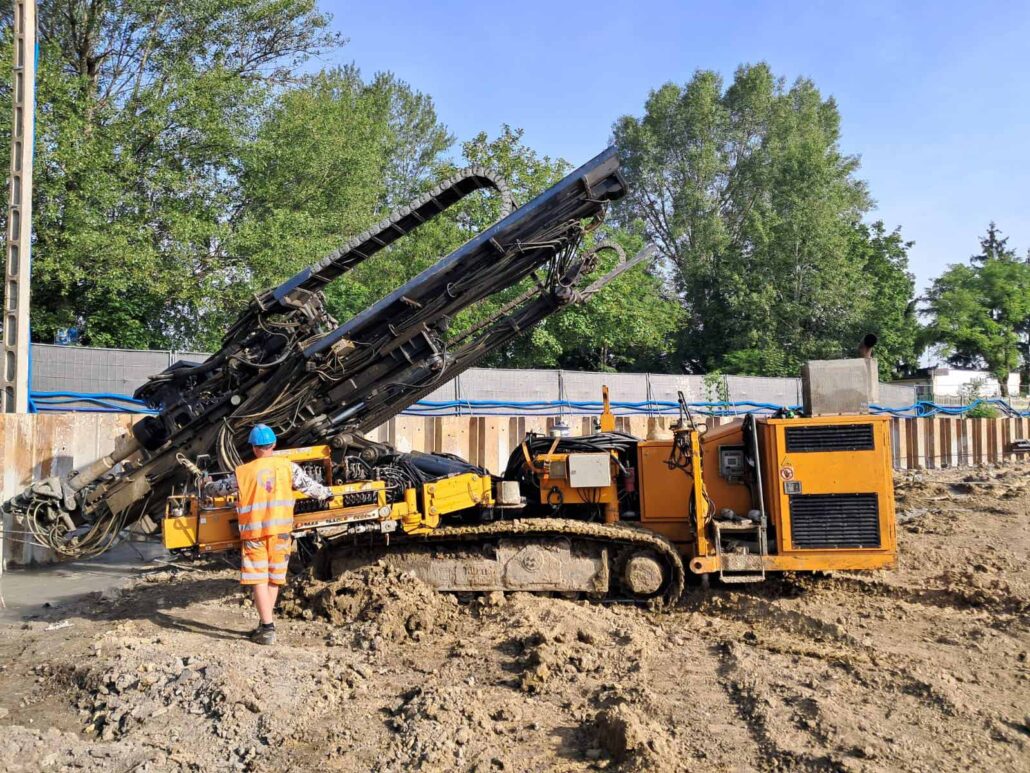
(264, 634)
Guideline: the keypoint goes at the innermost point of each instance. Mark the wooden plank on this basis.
(980, 440)
(452, 436)
(948, 448)
(656, 428)
(409, 433)
(476, 439)
(997, 451)
(933, 442)
(964, 430)
(516, 431)
(537, 424)
(638, 426)
(495, 444)
(901, 446)
(922, 443)
(911, 431)
(18, 471)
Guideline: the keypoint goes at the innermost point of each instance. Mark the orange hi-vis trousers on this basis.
(265, 560)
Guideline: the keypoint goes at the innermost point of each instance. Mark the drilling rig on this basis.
(607, 515)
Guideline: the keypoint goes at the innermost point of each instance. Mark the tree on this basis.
(183, 164)
(980, 312)
(628, 325)
(757, 214)
(143, 109)
(884, 299)
(993, 247)
(331, 157)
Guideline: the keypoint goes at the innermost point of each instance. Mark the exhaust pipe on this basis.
(865, 349)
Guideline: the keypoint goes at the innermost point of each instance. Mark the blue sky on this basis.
(935, 97)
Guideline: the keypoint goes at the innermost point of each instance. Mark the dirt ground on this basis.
(926, 667)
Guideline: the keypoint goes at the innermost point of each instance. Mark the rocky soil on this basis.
(925, 667)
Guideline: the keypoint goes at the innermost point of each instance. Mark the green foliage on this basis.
(144, 109)
(627, 326)
(716, 388)
(980, 313)
(182, 164)
(757, 214)
(982, 411)
(973, 392)
(325, 165)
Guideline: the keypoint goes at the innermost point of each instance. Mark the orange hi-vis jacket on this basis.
(265, 499)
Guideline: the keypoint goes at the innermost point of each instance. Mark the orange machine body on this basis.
(827, 495)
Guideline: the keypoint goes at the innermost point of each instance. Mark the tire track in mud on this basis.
(795, 634)
(953, 590)
(768, 652)
(762, 712)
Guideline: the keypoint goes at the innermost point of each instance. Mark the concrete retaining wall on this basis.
(36, 446)
(121, 371)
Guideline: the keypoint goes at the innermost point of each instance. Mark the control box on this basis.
(590, 470)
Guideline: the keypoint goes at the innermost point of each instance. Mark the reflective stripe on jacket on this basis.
(265, 499)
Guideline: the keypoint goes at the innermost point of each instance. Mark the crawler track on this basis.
(618, 538)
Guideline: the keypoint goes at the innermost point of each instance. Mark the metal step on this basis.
(742, 567)
(740, 579)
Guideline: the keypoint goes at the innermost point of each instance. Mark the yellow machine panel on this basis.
(829, 491)
(449, 495)
(189, 524)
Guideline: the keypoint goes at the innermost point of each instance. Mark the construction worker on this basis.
(264, 489)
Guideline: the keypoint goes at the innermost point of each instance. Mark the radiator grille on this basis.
(830, 437)
(835, 521)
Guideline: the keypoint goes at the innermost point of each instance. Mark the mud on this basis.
(924, 667)
(377, 604)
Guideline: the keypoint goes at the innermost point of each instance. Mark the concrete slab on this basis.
(28, 592)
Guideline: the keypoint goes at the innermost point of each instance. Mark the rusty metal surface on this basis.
(40, 445)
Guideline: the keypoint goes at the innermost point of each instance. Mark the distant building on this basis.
(954, 385)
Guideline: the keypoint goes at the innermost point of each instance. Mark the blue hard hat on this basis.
(261, 435)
